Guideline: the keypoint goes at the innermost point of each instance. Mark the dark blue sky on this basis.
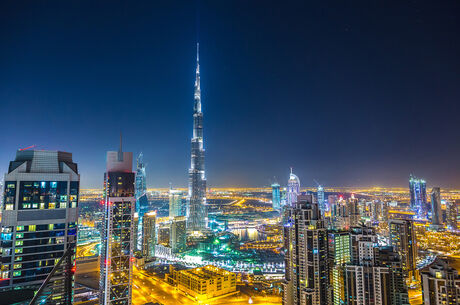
(352, 93)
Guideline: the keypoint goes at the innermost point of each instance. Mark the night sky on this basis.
(350, 93)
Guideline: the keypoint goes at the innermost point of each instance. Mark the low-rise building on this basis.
(203, 283)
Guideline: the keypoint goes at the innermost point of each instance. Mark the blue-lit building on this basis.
(276, 196)
(418, 202)
(320, 197)
(141, 185)
(39, 223)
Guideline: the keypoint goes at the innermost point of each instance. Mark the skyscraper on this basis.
(175, 203)
(148, 235)
(276, 196)
(402, 239)
(396, 285)
(178, 234)
(196, 203)
(339, 255)
(293, 190)
(353, 211)
(321, 201)
(418, 202)
(452, 212)
(440, 284)
(307, 276)
(141, 186)
(436, 212)
(369, 278)
(39, 222)
(116, 259)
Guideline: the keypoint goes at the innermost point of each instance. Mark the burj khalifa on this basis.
(196, 201)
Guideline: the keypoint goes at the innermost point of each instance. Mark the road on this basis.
(148, 288)
(87, 250)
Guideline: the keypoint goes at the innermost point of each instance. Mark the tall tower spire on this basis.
(197, 106)
(196, 203)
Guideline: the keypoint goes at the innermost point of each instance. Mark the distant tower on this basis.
(353, 211)
(402, 238)
(175, 202)
(141, 186)
(178, 234)
(305, 240)
(320, 195)
(196, 203)
(418, 202)
(116, 265)
(293, 190)
(436, 212)
(276, 196)
(148, 235)
(452, 212)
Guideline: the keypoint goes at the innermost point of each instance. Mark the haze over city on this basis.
(345, 96)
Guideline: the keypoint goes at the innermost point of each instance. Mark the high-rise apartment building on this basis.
(418, 202)
(175, 203)
(369, 278)
(403, 240)
(440, 284)
(436, 212)
(307, 274)
(39, 223)
(293, 190)
(178, 234)
(117, 246)
(148, 235)
(396, 284)
(196, 201)
(276, 196)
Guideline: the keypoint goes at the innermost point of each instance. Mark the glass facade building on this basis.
(418, 202)
(276, 196)
(148, 235)
(39, 223)
(175, 203)
(436, 212)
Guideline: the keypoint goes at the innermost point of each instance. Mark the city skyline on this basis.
(367, 112)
